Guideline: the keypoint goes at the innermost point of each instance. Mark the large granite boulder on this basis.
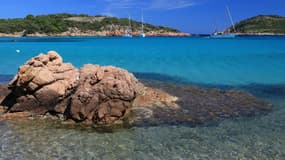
(98, 94)
(105, 94)
(42, 83)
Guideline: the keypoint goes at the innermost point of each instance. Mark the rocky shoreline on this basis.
(108, 96)
(260, 34)
(77, 33)
(120, 34)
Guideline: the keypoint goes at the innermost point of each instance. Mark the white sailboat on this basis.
(142, 34)
(129, 30)
(218, 34)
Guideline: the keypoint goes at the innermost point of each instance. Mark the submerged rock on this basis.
(101, 95)
(199, 105)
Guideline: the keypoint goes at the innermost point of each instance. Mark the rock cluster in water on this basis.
(96, 94)
(103, 95)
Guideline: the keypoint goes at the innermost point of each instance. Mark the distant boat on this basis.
(129, 29)
(142, 34)
(18, 51)
(223, 35)
(219, 35)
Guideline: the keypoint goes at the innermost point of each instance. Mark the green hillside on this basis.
(58, 23)
(262, 24)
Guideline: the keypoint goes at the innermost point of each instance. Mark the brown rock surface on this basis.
(155, 98)
(104, 95)
(4, 91)
(18, 115)
(41, 83)
(99, 94)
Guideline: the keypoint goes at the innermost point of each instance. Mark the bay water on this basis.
(254, 64)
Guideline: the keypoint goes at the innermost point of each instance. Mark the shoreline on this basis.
(260, 34)
(156, 35)
(20, 35)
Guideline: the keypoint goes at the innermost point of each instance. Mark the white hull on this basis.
(142, 35)
(223, 36)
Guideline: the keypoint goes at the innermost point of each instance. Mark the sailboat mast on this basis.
(231, 19)
(142, 22)
(216, 26)
(130, 25)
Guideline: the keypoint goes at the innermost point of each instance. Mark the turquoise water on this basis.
(255, 64)
(243, 60)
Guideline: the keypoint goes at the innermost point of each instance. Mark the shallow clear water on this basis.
(259, 138)
(255, 64)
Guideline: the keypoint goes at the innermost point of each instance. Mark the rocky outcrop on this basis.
(42, 83)
(105, 95)
(98, 94)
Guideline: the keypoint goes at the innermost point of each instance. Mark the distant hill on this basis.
(262, 24)
(77, 25)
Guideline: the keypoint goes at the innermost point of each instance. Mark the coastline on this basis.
(135, 34)
(95, 34)
(260, 34)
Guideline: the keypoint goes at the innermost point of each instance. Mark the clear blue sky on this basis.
(194, 16)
